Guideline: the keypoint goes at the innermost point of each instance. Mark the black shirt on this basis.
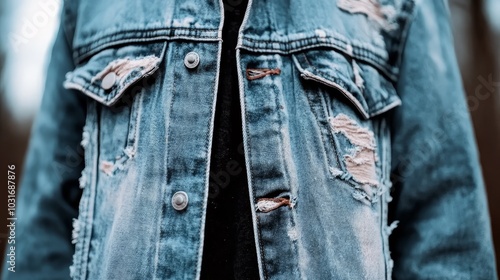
(229, 246)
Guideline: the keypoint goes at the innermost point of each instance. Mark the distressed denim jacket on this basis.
(355, 126)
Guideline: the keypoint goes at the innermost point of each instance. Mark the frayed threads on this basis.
(269, 204)
(358, 79)
(124, 66)
(77, 225)
(390, 228)
(382, 16)
(82, 181)
(340, 174)
(361, 162)
(85, 139)
(254, 74)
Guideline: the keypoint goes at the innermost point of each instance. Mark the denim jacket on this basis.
(347, 105)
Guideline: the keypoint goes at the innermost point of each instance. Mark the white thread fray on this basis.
(124, 66)
(85, 138)
(76, 230)
(82, 181)
(336, 172)
(361, 163)
(392, 227)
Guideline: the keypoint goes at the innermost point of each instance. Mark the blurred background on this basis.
(27, 29)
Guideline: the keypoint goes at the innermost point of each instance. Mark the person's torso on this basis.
(316, 84)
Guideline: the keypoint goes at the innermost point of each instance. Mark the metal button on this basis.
(191, 60)
(180, 201)
(109, 81)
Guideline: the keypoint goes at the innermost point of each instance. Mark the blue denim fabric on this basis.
(347, 105)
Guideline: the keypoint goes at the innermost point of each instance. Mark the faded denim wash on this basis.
(347, 105)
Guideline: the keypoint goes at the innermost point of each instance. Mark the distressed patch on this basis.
(82, 181)
(107, 167)
(124, 66)
(361, 162)
(293, 234)
(269, 204)
(336, 172)
(185, 22)
(382, 16)
(254, 74)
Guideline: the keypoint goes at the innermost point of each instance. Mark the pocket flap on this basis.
(109, 73)
(362, 84)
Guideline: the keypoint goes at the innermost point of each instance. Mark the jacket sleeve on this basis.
(49, 192)
(439, 196)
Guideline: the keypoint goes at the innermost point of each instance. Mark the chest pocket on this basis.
(116, 79)
(348, 99)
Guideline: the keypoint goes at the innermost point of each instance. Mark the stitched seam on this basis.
(164, 190)
(321, 126)
(264, 267)
(90, 199)
(376, 106)
(84, 51)
(102, 35)
(321, 72)
(138, 121)
(356, 47)
(249, 151)
(290, 41)
(377, 62)
(410, 10)
(384, 166)
(294, 76)
(168, 136)
(283, 162)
